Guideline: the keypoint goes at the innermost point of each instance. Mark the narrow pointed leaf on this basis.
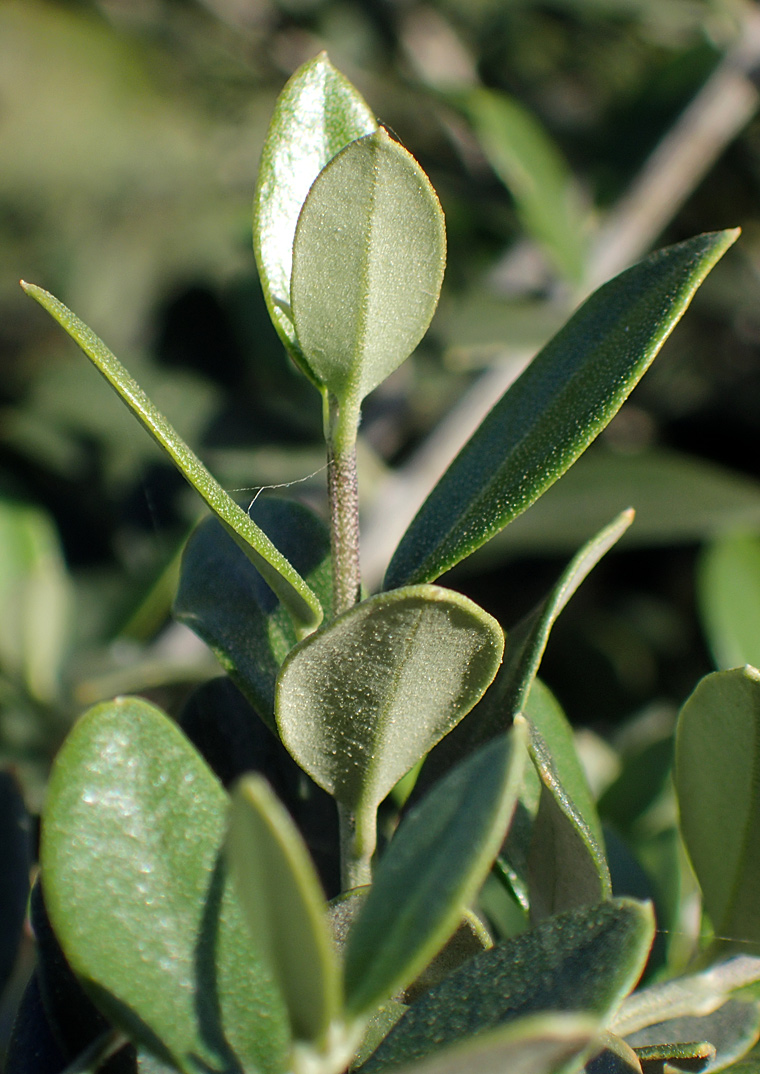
(582, 961)
(717, 759)
(224, 599)
(532, 168)
(289, 586)
(316, 115)
(556, 408)
(524, 651)
(138, 895)
(538, 1044)
(566, 864)
(368, 262)
(362, 700)
(432, 869)
(284, 907)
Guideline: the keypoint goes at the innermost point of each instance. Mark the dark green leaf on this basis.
(555, 409)
(717, 758)
(432, 869)
(137, 894)
(538, 1044)
(317, 114)
(223, 598)
(368, 262)
(584, 960)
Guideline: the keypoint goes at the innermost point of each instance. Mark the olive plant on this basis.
(388, 750)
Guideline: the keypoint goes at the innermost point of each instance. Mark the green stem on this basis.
(357, 845)
(343, 494)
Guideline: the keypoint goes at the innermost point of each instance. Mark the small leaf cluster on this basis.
(395, 751)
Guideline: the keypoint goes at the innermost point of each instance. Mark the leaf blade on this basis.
(555, 409)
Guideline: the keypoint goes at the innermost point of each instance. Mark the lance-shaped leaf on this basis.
(224, 599)
(285, 908)
(368, 261)
(289, 586)
(556, 408)
(717, 758)
(361, 701)
(316, 115)
(532, 168)
(584, 960)
(524, 651)
(137, 892)
(431, 871)
(566, 864)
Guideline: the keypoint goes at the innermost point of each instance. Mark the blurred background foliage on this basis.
(565, 138)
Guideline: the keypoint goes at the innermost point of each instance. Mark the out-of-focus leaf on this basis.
(532, 168)
(137, 893)
(728, 589)
(368, 262)
(35, 599)
(732, 1030)
(555, 409)
(717, 757)
(317, 114)
(223, 598)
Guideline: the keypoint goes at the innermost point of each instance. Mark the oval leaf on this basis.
(368, 261)
(224, 599)
(359, 702)
(581, 961)
(284, 907)
(556, 408)
(717, 759)
(289, 586)
(431, 871)
(135, 885)
(316, 115)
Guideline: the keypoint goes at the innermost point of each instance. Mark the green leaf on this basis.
(137, 892)
(35, 599)
(692, 1056)
(291, 589)
(538, 1044)
(359, 702)
(285, 908)
(679, 499)
(566, 864)
(223, 598)
(717, 758)
(732, 1029)
(584, 960)
(368, 262)
(316, 115)
(525, 648)
(431, 871)
(555, 409)
(728, 589)
(693, 995)
(532, 168)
